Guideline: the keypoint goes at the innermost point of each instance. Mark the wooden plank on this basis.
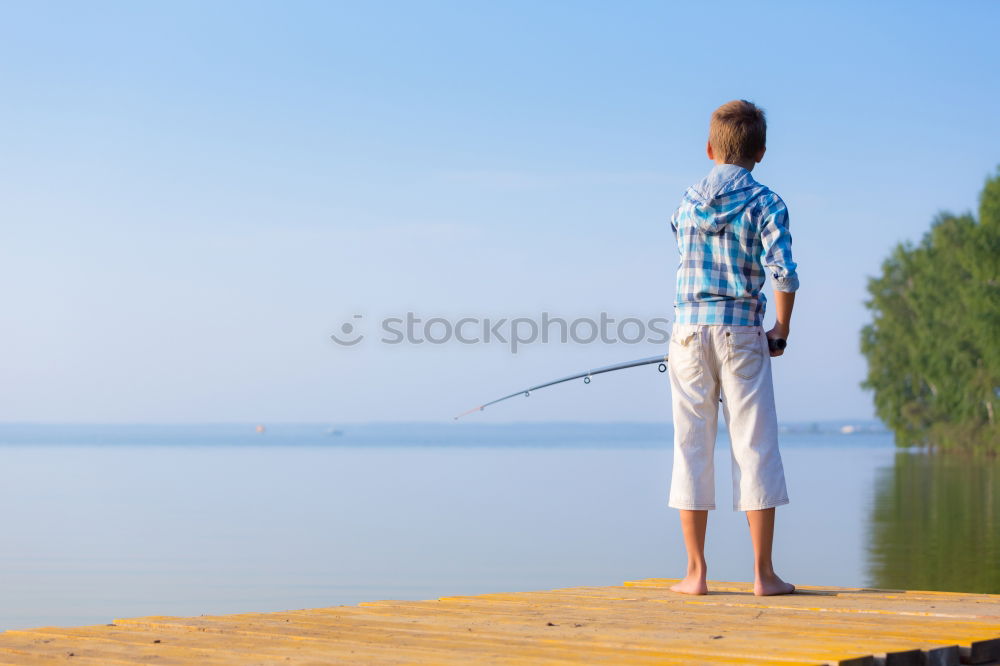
(32, 658)
(774, 630)
(862, 625)
(575, 602)
(795, 601)
(639, 622)
(304, 639)
(978, 606)
(455, 652)
(942, 656)
(106, 651)
(981, 652)
(224, 650)
(581, 613)
(986, 603)
(689, 604)
(767, 627)
(555, 647)
(641, 639)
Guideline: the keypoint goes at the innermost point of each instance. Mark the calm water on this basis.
(106, 522)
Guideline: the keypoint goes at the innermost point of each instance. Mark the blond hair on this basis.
(738, 131)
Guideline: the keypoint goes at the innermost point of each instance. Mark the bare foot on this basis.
(691, 584)
(765, 586)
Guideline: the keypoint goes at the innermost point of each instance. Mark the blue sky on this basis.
(195, 196)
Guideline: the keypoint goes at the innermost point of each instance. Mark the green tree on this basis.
(933, 346)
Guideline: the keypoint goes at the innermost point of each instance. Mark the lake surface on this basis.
(116, 521)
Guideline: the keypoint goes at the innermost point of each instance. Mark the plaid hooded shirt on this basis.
(729, 228)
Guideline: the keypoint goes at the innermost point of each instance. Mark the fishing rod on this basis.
(662, 360)
(773, 345)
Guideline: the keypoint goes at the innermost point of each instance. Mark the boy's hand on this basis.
(779, 332)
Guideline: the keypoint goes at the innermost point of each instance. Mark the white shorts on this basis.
(705, 360)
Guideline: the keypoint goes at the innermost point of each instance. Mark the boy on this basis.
(728, 228)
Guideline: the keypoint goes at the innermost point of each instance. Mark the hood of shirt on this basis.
(722, 196)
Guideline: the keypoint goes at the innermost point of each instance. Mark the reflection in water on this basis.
(935, 524)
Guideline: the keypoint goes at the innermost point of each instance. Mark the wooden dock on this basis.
(640, 622)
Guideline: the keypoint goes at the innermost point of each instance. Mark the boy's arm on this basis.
(784, 301)
(777, 251)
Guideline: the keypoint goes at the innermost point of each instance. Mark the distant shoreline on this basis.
(448, 434)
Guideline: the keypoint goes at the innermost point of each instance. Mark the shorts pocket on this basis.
(746, 355)
(684, 356)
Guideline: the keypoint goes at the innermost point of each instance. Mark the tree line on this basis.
(933, 345)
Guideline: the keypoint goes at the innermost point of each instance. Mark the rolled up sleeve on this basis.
(777, 247)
